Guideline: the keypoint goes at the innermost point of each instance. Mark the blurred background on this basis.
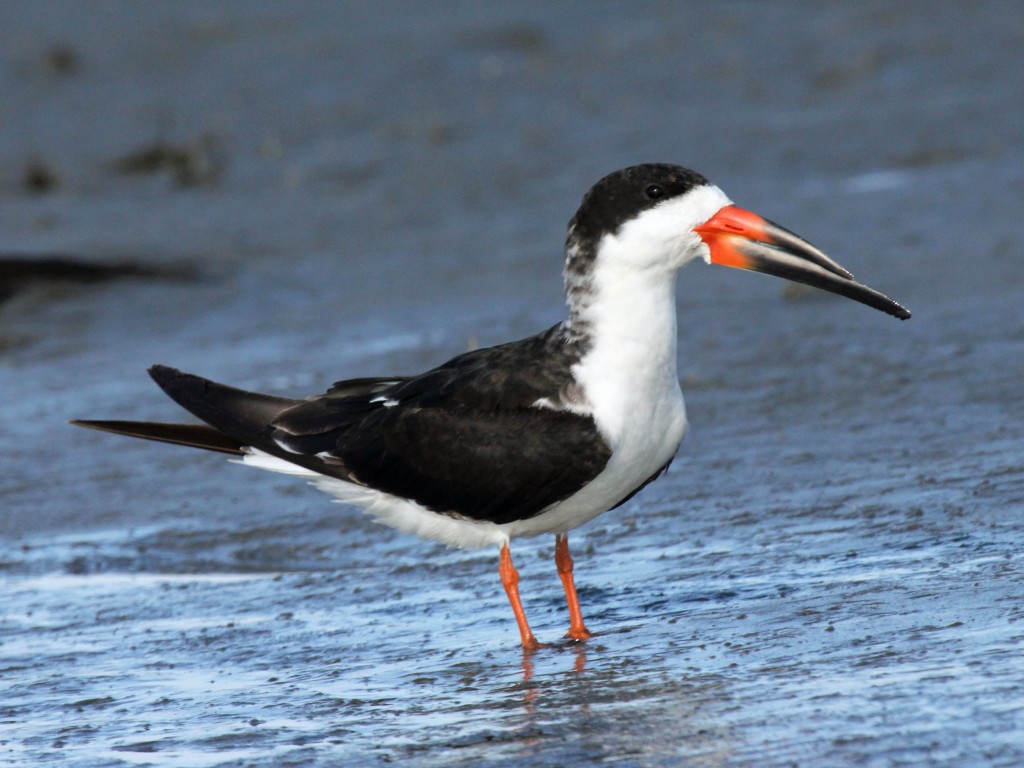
(280, 195)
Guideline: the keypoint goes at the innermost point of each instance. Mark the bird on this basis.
(535, 436)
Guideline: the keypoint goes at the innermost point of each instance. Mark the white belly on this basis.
(645, 441)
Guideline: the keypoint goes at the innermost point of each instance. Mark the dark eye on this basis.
(655, 192)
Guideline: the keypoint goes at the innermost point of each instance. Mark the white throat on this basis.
(628, 374)
(627, 305)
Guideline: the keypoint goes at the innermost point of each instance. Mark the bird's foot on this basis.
(579, 633)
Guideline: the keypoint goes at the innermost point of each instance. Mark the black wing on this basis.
(466, 438)
(500, 466)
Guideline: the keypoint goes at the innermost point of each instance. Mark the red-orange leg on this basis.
(563, 561)
(510, 580)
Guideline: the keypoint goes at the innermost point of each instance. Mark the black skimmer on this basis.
(534, 436)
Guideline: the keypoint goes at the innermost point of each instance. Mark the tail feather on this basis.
(236, 421)
(192, 435)
(243, 416)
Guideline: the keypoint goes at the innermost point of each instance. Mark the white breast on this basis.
(629, 380)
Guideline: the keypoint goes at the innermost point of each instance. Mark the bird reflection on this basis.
(531, 691)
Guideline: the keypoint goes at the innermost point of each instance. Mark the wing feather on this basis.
(467, 438)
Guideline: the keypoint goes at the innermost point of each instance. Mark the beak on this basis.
(739, 238)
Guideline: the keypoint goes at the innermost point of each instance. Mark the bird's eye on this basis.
(655, 192)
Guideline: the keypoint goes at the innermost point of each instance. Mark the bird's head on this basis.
(657, 218)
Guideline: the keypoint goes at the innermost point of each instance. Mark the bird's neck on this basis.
(625, 323)
(612, 303)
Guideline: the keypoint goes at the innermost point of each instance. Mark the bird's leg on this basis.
(510, 580)
(563, 561)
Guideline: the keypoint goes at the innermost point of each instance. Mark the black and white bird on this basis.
(538, 435)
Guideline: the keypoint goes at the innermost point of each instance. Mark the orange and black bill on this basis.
(739, 238)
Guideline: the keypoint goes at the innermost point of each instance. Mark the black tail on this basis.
(235, 419)
(244, 416)
(192, 435)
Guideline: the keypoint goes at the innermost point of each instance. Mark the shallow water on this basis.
(830, 573)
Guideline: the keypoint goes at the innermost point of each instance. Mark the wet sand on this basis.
(278, 197)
